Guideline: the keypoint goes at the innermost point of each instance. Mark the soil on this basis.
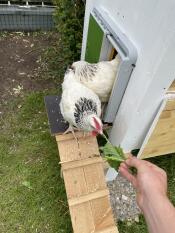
(20, 56)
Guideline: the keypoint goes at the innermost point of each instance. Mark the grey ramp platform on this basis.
(56, 122)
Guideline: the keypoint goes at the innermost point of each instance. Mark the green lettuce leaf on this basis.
(114, 155)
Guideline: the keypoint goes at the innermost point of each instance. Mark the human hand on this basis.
(150, 181)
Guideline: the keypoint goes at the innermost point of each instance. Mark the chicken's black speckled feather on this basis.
(89, 70)
(84, 107)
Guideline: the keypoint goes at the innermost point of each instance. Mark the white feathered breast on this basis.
(78, 101)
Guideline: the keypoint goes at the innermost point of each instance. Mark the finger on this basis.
(134, 162)
(128, 176)
(124, 165)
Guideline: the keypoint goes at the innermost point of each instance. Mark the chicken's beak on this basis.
(96, 132)
(100, 132)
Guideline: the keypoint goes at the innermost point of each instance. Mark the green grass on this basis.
(167, 162)
(32, 197)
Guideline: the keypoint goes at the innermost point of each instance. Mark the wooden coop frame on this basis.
(161, 135)
(83, 172)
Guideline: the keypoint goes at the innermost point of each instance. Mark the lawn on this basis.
(32, 197)
(32, 193)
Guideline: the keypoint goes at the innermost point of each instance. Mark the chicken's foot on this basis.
(71, 129)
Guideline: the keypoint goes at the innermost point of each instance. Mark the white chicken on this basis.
(99, 77)
(80, 106)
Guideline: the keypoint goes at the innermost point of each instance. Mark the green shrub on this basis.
(69, 18)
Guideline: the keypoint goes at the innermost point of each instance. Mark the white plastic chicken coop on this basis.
(143, 35)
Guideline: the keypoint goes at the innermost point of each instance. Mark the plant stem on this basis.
(103, 135)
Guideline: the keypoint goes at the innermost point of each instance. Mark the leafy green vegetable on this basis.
(113, 162)
(114, 155)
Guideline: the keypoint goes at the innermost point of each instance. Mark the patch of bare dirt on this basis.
(20, 56)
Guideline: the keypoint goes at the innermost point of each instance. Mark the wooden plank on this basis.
(72, 152)
(88, 212)
(75, 183)
(80, 163)
(170, 105)
(69, 150)
(69, 136)
(160, 137)
(82, 219)
(95, 178)
(172, 87)
(85, 179)
(87, 193)
(89, 142)
(88, 197)
(108, 230)
(102, 213)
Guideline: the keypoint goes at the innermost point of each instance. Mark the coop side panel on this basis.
(160, 138)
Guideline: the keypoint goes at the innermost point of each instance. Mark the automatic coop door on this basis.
(105, 39)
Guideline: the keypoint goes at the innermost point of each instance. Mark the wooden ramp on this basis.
(82, 166)
(87, 194)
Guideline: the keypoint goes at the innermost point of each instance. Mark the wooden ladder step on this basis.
(87, 193)
(88, 197)
(80, 163)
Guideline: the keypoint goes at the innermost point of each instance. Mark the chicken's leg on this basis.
(71, 129)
